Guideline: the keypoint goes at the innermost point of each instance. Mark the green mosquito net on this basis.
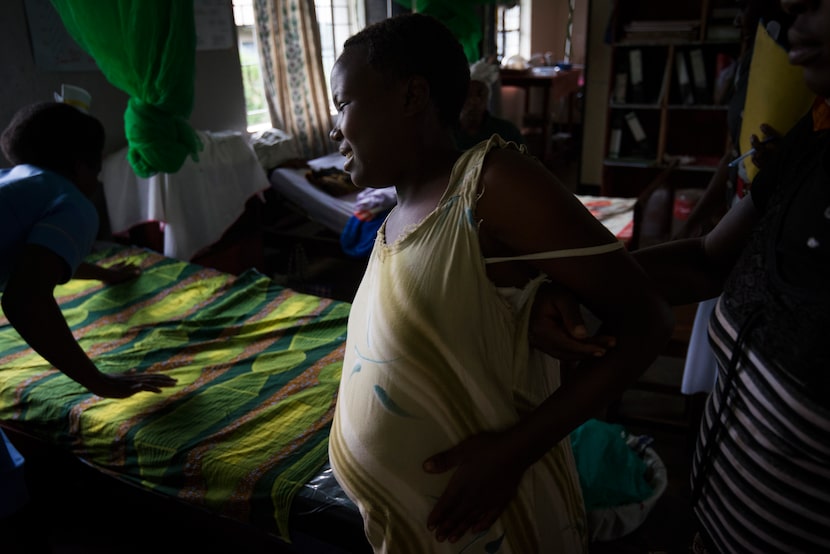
(460, 17)
(147, 48)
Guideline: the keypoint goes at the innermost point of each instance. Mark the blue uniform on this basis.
(38, 207)
(41, 207)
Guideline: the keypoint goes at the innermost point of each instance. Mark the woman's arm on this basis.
(692, 270)
(29, 304)
(112, 275)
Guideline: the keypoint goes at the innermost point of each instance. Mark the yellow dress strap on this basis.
(567, 253)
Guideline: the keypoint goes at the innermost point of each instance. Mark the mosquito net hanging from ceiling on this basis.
(147, 48)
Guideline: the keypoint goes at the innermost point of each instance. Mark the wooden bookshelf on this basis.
(665, 59)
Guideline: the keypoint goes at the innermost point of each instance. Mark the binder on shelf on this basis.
(641, 143)
(725, 68)
(635, 76)
(620, 87)
(615, 138)
(701, 88)
(683, 81)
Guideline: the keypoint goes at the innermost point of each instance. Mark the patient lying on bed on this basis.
(370, 209)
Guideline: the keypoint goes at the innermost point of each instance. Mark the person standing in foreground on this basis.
(761, 469)
(47, 226)
(450, 433)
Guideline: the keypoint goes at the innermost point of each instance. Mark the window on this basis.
(338, 20)
(256, 107)
(511, 18)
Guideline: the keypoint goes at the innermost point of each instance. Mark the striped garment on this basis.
(435, 354)
(767, 486)
(762, 463)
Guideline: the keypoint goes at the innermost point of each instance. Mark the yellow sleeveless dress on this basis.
(436, 353)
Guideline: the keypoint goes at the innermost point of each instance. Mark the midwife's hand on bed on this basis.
(120, 273)
(557, 328)
(487, 474)
(113, 275)
(123, 385)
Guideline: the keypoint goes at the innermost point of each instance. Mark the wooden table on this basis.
(554, 86)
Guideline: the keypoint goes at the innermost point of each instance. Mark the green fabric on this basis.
(247, 424)
(610, 472)
(460, 17)
(147, 48)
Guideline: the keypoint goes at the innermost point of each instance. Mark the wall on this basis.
(219, 100)
(596, 94)
(547, 34)
(548, 28)
(588, 47)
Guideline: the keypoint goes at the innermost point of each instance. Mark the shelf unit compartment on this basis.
(657, 14)
(633, 123)
(700, 73)
(648, 63)
(689, 129)
(698, 134)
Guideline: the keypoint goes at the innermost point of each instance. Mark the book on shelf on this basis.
(684, 82)
(619, 92)
(615, 138)
(641, 142)
(723, 32)
(699, 80)
(646, 30)
(620, 87)
(636, 87)
(725, 68)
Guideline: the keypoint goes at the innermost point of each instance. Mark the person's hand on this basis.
(123, 385)
(113, 275)
(120, 273)
(557, 328)
(764, 147)
(486, 477)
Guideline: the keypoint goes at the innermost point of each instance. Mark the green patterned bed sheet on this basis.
(248, 422)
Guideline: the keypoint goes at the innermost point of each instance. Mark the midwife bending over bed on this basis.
(47, 226)
(449, 433)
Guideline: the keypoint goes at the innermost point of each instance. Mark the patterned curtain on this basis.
(295, 87)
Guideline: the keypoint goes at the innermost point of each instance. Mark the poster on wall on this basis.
(214, 24)
(53, 48)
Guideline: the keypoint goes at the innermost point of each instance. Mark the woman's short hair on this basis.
(418, 44)
(54, 136)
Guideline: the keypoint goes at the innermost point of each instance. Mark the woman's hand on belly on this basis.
(486, 479)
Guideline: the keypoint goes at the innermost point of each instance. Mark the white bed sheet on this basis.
(197, 204)
(617, 214)
(329, 211)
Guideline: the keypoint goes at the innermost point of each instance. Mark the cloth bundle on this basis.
(371, 208)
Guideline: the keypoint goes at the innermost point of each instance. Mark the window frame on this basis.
(342, 18)
(514, 26)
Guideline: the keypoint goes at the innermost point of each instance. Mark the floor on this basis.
(63, 519)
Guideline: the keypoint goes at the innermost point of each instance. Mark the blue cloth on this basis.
(41, 207)
(358, 237)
